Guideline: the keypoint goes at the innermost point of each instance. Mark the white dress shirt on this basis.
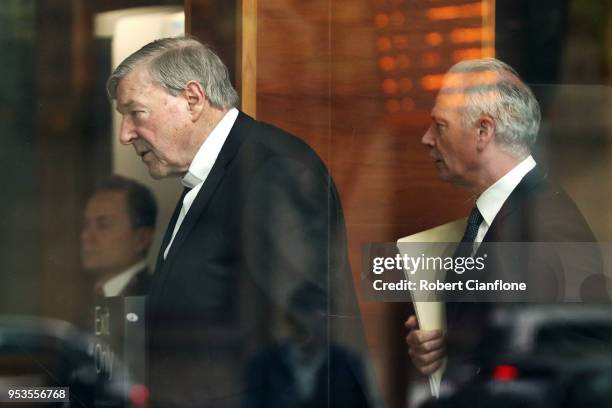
(305, 370)
(115, 285)
(493, 198)
(202, 164)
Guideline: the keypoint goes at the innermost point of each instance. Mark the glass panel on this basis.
(260, 303)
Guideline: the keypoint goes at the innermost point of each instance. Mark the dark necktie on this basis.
(457, 313)
(473, 223)
(466, 246)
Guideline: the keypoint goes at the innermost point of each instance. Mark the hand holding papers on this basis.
(431, 314)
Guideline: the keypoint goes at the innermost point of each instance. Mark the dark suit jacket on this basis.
(537, 211)
(267, 218)
(138, 285)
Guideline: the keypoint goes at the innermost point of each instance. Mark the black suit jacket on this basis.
(267, 218)
(138, 285)
(538, 212)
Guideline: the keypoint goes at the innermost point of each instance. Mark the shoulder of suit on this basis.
(554, 214)
(538, 187)
(278, 142)
(143, 274)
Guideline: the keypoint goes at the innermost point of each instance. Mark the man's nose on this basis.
(89, 232)
(127, 133)
(428, 139)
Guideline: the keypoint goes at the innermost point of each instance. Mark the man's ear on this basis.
(486, 132)
(196, 99)
(144, 238)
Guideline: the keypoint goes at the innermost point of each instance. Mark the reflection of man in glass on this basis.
(118, 228)
(305, 370)
(484, 124)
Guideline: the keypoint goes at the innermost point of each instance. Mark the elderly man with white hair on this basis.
(484, 124)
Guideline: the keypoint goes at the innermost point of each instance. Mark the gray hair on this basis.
(507, 99)
(172, 62)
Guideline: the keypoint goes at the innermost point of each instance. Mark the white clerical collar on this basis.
(117, 283)
(209, 151)
(491, 201)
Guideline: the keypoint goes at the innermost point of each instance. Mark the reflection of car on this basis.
(38, 352)
(539, 356)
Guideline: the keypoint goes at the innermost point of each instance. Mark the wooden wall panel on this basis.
(215, 23)
(60, 155)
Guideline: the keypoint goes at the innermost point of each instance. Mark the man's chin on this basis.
(159, 174)
(443, 174)
(156, 173)
(445, 177)
(452, 179)
(156, 176)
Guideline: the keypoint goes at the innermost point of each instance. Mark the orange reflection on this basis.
(489, 52)
(381, 20)
(464, 11)
(407, 104)
(405, 84)
(434, 39)
(392, 105)
(398, 18)
(460, 80)
(468, 35)
(400, 42)
(431, 59)
(389, 86)
(403, 61)
(396, 2)
(457, 85)
(383, 44)
(432, 82)
(387, 63)
(472, 53)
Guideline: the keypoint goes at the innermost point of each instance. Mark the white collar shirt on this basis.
(201, 166)
(493, 198)
(115, 285)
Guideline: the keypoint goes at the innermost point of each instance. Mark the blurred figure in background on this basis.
(118, 228)
(305, 370)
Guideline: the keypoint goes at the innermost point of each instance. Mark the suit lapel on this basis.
(199, 204)
(533, 180)
(229, 150)
(169, 230)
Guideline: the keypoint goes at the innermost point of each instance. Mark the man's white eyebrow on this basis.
(120, 105)
(124, 105)
(438, 121)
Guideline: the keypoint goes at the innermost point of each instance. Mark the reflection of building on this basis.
(418, 40)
